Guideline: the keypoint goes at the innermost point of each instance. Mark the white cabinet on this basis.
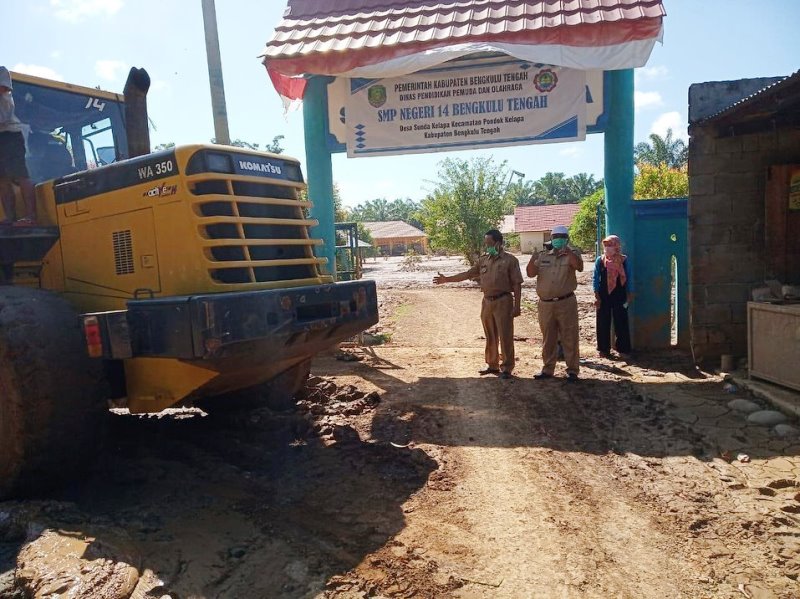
(773, 342)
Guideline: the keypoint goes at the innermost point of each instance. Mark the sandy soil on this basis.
(405, 474)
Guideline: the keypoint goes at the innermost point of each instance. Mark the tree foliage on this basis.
(554, 188)
(372, 211)
(651, 182)
(660, 182)
(581, 186)
(468, 199)
(674, 153)
(340, 213)
(274, 146)
(380, 209)
(583, 231)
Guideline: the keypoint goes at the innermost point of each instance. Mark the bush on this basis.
(583, 232)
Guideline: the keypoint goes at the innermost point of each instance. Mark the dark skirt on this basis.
(12, 156)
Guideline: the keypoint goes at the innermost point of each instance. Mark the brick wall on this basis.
(727, 177)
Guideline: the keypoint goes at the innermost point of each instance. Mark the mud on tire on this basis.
(51, 393)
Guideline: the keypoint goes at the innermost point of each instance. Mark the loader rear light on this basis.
(94, 338)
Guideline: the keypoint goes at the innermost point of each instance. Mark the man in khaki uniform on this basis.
(501, 283)
(558, 308)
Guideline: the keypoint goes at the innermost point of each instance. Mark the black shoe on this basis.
(542, 375)
(572, 377)
(505, 375)
(489, 371)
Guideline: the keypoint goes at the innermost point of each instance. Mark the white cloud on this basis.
(109, 69)
(37, 71)
(650, 73)
(75, 11)
(670, 120)
(56, 54)
(570, 152)
(647, 100)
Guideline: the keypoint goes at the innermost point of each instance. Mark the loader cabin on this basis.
(70, 128)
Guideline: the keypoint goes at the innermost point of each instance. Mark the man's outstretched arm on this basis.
(462, 276)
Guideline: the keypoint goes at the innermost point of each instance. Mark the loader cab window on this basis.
(98, 143)
(69, 129)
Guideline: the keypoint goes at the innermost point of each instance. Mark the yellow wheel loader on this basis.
(154, 279)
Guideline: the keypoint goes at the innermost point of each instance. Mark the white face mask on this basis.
(609, 250)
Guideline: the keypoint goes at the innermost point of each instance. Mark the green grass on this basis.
(383, 338)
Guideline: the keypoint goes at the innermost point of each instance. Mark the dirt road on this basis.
(405, 474)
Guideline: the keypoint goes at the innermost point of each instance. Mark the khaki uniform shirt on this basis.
(499, 274)
(556, 277)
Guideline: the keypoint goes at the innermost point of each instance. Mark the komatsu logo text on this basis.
(260, 167)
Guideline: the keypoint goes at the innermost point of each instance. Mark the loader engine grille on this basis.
(123, 252)
(253, 231)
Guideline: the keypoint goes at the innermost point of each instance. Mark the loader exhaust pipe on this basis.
(136, 88)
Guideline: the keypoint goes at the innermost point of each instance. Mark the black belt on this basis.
(491, 298)
(557, 299)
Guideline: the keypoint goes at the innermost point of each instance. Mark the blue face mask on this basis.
(559, 243)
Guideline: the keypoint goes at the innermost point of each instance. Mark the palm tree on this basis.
(379, 208)
(581, 186)
(552, 189)
(523, 193)
(662, 150)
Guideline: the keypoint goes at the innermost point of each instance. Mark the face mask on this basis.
(609, 250)
(492, 251)
(559, 243)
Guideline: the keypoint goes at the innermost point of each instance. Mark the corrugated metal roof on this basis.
(393, 229)
(775, 88)
(543, 218)
(312, 27)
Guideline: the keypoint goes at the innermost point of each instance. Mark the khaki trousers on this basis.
(559, 320)
(497, 318)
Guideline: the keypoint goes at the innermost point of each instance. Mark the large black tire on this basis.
(52, 394)
(279, 394)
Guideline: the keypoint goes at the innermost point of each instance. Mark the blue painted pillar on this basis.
(319, 168)
(618, 140)
(618, 168)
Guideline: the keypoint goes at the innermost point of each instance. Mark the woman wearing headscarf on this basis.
(611, 297)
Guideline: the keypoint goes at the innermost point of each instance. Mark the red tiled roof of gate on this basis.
(543, 218)
(316, 27)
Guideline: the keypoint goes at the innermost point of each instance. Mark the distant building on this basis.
(534, 223)
(507, 225)
(395, 237)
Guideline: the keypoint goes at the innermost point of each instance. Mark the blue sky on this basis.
(94, 42)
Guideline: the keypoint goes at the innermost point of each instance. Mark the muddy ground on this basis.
(405, 474)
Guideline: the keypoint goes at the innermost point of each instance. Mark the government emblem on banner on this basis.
(545, 80)
(376, 96)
